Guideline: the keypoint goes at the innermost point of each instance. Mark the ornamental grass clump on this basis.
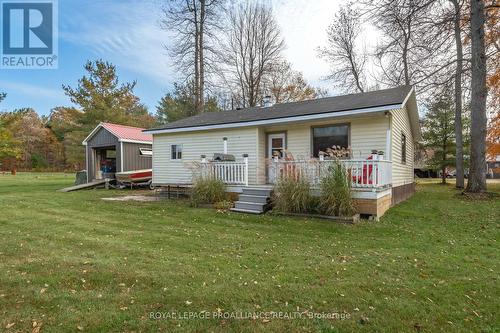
(292, 195)
(336, 199)
(207, 190)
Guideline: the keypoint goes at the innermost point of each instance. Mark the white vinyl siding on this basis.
(167, 171)
(402, 173)
(366, 134)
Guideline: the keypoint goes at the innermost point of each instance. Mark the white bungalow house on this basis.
(379, 128)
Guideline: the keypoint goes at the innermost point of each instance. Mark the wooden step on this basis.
(259, 207)
(257, 191)
(254, 198)
(247, 211)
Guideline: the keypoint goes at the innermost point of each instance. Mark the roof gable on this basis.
(123, 133)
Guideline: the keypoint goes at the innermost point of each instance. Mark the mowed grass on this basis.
(73, 262)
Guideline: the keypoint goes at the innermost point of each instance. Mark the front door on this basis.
(276, 145)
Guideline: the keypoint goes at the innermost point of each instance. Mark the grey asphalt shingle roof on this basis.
(317, 106)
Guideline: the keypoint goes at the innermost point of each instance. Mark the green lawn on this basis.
(71, 261)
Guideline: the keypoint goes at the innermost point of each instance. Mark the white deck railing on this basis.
(231, 173)
(363, 173)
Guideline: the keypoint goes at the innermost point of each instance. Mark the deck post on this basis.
(245, 159)
(225, 144)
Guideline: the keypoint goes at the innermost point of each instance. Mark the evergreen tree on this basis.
(439, 133)
(181, 104)
(103, 99)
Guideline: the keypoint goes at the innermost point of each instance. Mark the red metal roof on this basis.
(128, 133)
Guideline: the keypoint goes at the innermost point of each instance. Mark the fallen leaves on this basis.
(36, 327)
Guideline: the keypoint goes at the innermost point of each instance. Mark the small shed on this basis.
(112, 148)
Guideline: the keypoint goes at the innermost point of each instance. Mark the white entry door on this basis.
(276, 145)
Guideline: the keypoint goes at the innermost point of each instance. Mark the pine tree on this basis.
(439, 133)
(181, 104)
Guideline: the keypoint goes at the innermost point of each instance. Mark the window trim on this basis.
(146, 152)
(176, 153)
(311, 146)
(404, 144)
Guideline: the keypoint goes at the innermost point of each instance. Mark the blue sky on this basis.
(127, 33)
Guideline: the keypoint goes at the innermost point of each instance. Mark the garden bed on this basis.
(347, 220)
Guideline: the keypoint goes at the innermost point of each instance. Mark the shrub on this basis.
(336, 193)
(38, 162)
(292, 195)
(207, 190)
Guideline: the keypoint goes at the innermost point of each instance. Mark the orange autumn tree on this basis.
(492, 39)
(493, 137)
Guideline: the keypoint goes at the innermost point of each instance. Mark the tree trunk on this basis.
(458, 98)
(196, 83)
(477, 175)
(201, 59)
(443, 168)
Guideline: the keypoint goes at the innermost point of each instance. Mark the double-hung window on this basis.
(176, 152)
(403, 148)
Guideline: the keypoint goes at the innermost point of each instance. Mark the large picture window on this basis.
(327, 137)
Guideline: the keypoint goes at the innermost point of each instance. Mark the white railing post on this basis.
(245, 160)
(203, 165)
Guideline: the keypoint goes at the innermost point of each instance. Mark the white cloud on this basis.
(126, 33)
(304, 24)
(31, 90)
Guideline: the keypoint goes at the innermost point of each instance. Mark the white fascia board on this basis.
(279, 120)
(84, 142)
(136, 141)
(412, 108)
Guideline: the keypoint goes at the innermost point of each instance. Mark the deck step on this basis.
(250, 206)
(247, 211)
(254, 198)
(257, 191)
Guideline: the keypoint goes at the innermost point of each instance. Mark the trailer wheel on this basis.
(150, 185)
